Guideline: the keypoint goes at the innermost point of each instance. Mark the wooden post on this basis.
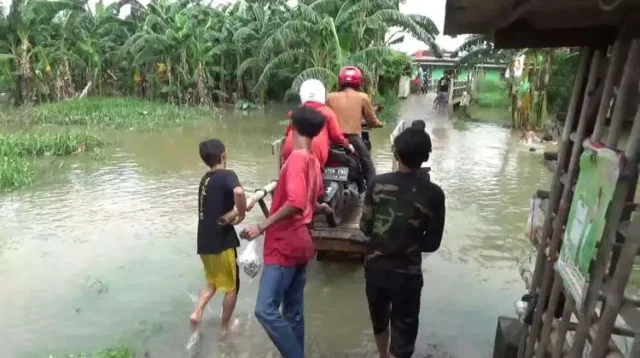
(565, 204)
(555, 189)
(452, 85)
(618, 57)
(543, 273)
(631, 244)
(554, 197)
(617, 202)
(256, 197)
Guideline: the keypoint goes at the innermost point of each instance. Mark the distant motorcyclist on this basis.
(350, 104)
(313, 94)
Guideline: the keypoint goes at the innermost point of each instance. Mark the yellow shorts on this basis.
(221, 270)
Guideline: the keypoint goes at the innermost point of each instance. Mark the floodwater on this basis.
(104, 252)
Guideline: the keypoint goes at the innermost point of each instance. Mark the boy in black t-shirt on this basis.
(403, 216)
(219, 192)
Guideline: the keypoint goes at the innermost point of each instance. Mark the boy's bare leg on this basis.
(382, 343)
(205, 297)
(228, 305)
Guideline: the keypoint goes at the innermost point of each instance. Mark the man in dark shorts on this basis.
(443, 88)
(219, 192)
(403, 216)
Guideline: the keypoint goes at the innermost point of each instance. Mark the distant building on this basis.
(437, 66)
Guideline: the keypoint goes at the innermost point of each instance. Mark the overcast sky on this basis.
(431, 8)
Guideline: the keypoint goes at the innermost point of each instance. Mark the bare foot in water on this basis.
(230, 327)
(195, 318)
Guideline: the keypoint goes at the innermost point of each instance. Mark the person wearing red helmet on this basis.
(350, 104)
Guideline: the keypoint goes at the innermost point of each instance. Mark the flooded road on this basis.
(104, 252)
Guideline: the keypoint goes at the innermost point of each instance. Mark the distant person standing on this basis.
(443, 88)
(219, 192)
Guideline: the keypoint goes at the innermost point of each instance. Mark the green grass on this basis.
(35, 144)
(15, 173)
(391, 109)
(492, 94)
(498, 116)
(18, 152)
(111, 112)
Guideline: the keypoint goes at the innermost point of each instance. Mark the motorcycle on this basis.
(343, 178)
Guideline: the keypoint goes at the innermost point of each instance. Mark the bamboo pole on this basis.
(554, 197)
(619, 55)
(632, 242)
(558, 348)
(545, 266)
(623, 95)
(527, 343)
(229, 217)
(617, 202)
(565, 202)
(548, 317)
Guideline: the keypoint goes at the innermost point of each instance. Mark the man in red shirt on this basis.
(287, 245)
(313, 94)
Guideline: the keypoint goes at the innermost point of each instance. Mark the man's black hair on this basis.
(307, 121)
(211, 151)
(412, 146)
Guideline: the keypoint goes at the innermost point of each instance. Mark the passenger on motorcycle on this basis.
(350, 104)
(313, 94)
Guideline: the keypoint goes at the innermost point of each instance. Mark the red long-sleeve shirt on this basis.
(331, 133)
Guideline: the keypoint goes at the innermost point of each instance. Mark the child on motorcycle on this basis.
(350, 104)
(313, 94)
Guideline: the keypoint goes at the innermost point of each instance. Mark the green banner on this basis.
(599, 170)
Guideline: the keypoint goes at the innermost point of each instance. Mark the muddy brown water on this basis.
(103, 252)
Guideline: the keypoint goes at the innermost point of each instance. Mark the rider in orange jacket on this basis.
(350, 104)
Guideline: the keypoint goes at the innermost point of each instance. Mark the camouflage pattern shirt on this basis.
(403, 216)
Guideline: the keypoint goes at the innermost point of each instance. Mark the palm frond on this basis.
(396, 18)
(425, 23)
(472, 42)
(245, 65)
(286, 57)
(324, 75)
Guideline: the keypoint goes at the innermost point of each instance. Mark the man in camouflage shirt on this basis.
(403, 216)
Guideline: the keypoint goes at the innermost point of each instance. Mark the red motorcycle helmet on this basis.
(350, 76)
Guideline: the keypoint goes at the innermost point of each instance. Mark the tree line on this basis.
(188, 52)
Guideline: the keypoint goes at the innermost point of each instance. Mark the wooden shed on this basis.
(590, 317)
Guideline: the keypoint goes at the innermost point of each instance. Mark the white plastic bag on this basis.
(250, 260)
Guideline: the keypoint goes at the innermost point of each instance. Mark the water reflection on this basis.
(107, 252)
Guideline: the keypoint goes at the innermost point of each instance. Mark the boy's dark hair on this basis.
(412, 147)
(211, 151)
(307, 121)
(418, 124)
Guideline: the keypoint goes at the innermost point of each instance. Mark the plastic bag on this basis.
(250, 260)
(535, 221)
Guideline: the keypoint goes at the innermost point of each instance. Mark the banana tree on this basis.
(323, 35)
(27, 25)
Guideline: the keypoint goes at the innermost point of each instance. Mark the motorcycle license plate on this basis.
(336, 174)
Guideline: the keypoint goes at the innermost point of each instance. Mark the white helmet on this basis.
(312, 90)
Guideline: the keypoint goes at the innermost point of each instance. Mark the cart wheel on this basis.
(320, 255)
(337, 204)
